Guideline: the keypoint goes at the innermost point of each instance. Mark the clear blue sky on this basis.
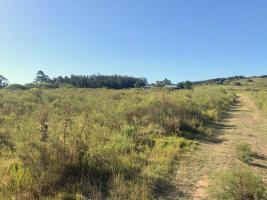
(177, 39)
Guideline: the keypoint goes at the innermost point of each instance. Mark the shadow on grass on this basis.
(202, 137)
(257, 157)
(257, 165)
(216, 128)
(164, 188)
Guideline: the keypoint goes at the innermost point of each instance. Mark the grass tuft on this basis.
(238, 184)
(243, 152)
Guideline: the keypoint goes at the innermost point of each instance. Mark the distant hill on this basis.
(236, 80)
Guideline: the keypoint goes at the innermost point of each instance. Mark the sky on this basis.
(175, 39)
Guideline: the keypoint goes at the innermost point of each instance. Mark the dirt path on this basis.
(243, 123)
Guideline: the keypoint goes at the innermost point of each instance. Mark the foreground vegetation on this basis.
(98, 144)
(260, 98)
(242, 182)
(243, 152)
(239, 183)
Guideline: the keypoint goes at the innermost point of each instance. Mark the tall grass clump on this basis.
(243, 152)
(260, 98)
(240, 183)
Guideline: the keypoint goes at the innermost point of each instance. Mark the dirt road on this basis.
(244, 122)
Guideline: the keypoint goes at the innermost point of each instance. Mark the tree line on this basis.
(81, 81)
(105, 81)
(91, 81)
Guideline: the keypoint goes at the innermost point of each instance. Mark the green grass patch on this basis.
(243, 152)
(240, 183)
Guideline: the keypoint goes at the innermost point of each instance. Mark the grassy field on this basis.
(253, 83)
(98, 143)
(260, 98)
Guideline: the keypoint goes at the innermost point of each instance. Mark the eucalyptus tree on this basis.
(3, 81)
(41, 77)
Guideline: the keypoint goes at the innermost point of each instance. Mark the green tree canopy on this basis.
(163, 83)
(101, 81)
(3, 81)
(41, 77)
(185, 85)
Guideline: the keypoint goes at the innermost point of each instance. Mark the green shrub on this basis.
(243, 152)
(6, 142)
(238, 184)
(237, 84)
(46, 85)
(17, 87)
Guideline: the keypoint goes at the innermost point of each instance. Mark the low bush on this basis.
(243, 152)
(238, 184)
(6, 142)
(17, 87)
